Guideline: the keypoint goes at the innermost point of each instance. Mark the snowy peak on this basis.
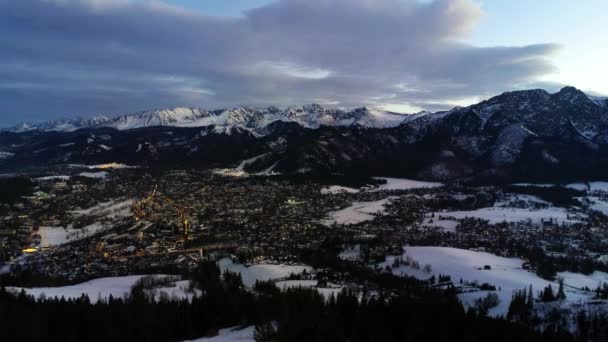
(68, 125)
(180, 117)
(537, 110)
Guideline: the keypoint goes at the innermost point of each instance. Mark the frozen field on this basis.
(508, 214)
(357, 212)
(336, 189)
(53, 236)
(261, 271)
(234, 334)
(98, 175)
(102, 288)
(108, 209)
(405, 184)
(506, 273)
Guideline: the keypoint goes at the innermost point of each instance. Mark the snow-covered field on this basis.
(357, 212)
(506, 273)
(54, 236)
(503, 212)
(262, 272)
(578, 280)
(445, 225)
(337, 189)
(597, 204)
(108, 209)
(97, 175)
(405, 184)
(52, 178)
(592, 186)
(234, 334)
(6, 155)
(102, 288)
(391, 184)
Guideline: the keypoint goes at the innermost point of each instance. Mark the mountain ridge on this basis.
(516, 135)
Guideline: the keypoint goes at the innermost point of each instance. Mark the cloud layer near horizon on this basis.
(83, 57)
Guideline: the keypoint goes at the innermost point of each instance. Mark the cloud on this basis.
(65, 57)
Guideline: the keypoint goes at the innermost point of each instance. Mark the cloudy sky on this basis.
(66, 58)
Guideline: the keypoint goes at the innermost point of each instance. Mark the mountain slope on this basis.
(525, 135)
(227, 120)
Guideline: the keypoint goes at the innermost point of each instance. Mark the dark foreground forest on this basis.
(411, 313)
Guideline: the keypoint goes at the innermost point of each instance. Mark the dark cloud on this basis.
(69, 57)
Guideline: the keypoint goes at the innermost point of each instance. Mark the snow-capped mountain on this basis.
(226, 120)
(523, 135)
(64, 125)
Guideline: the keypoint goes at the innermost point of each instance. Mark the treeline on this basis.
(556, 195)
(418, 314)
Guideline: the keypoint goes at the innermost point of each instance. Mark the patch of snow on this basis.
(578, 280)
(261, 272)
(591, 187)
(6, 155)
(234, 334)
(358, 212)
(108, 209)
(53, 236)
(337, 189)
(506, 214)
(244, 163)
(405, 184)
(97, 175)
(52, 178)
(504, 273)
(445, 225)
(102, 288)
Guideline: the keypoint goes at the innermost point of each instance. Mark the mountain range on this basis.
(520, 135)
(254, 120)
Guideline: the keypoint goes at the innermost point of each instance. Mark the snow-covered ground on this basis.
(54, 236)
(337, 189)
(506, 273)
(102, 288)
(6, 155)
(98, 288)
(261, 272)
(596, 203)
(502, 212)
(592, 186)
(357, 212)
(244, 163)
(52, 178)
(108, 209)
(405, 184)
(578, 280)
(234, 334)
(445, 225)
(97, 175)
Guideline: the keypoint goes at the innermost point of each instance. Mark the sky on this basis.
(68, 58)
